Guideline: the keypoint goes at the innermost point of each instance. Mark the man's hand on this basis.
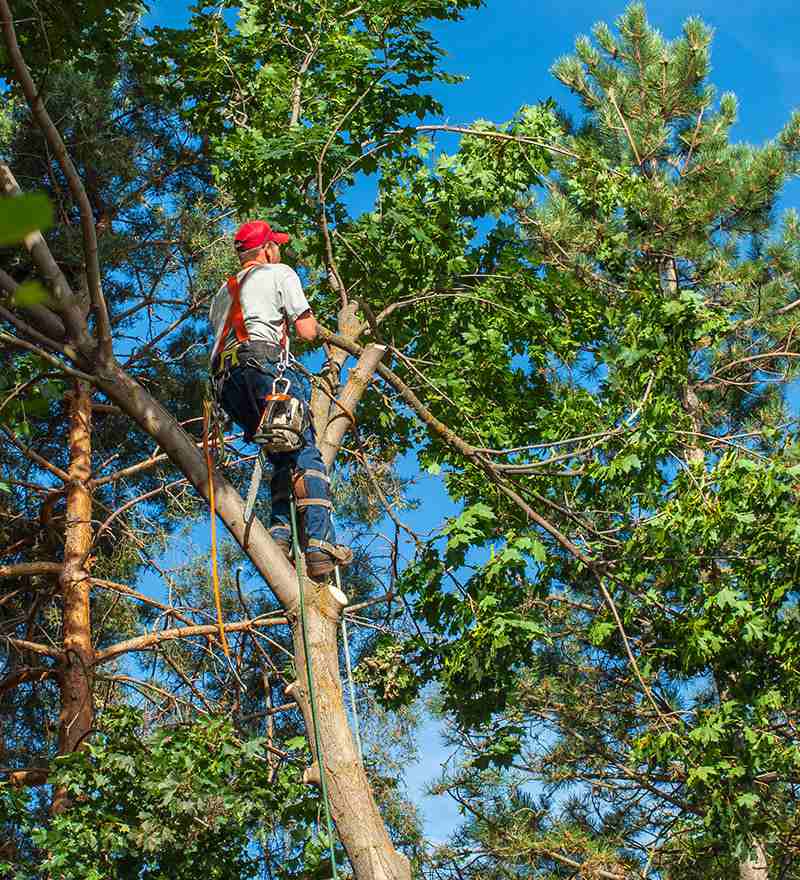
(306, 327)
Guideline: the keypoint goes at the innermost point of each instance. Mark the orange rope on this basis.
(214, 575)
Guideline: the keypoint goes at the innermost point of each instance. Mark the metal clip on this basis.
(276, 393)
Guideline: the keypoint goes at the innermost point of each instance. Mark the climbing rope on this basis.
(212, 505)
(352, 688)
(299, 564)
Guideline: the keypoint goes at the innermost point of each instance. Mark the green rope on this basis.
(299, 563)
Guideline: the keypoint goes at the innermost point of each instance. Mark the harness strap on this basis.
(313, 502)
(320, 475)
(337, 551)
(234, 320)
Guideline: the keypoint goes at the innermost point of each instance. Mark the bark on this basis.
(29, 569)
(689, 399)
(322, 408)
(75, 663)
(343, 414)
(755, 867)
(355, 812)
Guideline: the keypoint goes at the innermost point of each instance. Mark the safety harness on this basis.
(283, 417)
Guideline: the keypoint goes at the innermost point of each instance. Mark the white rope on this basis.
(352, 687)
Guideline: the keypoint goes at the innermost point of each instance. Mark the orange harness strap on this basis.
(234, 320)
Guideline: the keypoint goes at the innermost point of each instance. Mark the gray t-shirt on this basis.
(271, 297)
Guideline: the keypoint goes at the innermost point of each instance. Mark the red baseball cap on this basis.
(256, 234)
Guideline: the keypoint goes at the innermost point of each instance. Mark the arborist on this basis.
(257, 383)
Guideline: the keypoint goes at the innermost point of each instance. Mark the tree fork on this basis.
(76, 661)
(358, 820)
(755, 866)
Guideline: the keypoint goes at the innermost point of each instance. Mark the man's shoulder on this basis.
(283, 271)
(267, 272)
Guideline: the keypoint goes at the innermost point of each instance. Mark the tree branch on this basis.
(151, 640)
(29, 569)
(76, 187)
(45, 355)
(51, 273)
(34, 456)
(357, 383)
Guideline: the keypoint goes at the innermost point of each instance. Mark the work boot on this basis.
(280, 535)
(322, 557)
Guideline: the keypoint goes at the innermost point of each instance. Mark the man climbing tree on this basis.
(263, 393)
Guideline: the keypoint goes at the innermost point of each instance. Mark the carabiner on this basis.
(286, 389)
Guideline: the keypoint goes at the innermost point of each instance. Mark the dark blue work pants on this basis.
(242, 397)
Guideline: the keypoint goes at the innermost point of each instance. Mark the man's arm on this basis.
(306, 326)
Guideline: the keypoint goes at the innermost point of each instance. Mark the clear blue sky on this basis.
(506, 50)
(507, 47)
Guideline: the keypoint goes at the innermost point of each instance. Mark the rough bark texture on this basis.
(354, 810)
(755, 867)
(75, 663)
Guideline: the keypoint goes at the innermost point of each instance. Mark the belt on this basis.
(244, 351)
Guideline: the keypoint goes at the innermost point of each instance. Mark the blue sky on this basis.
(506, 50)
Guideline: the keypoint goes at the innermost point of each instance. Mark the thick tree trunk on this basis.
(755, 867)
(75, 663)
(353, 807)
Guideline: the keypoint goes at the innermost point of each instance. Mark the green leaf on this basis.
(31, 293)
(21, 215)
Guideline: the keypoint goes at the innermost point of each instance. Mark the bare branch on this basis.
(152, 640)
(45, 355)
(34, 647)
(50, 272)
(32, 455)
(30, 569)
(133, 594)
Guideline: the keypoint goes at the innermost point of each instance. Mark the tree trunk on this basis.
(353, 807)
(354, 810)
(75, 663)
(689, 399)
(755, 866)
